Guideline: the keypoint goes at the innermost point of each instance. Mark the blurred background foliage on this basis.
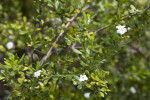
(32, 25)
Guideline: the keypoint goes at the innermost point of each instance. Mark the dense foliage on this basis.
(75, 49)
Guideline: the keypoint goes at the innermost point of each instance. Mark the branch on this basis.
(102, 28)
(121, 19)
(73, 46)
(138, 51)
(56, 40)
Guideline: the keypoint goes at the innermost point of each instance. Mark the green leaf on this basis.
(68, 41)
(20, 80)
(11, 57)
(93, 76)
(56, 4)
(37, 65)
(87, 51)
(71, 9)
(83, 64)
(102, 94)
(1, 78)
(4, 72)
(85, 18)
(92, 83)
(79, 86)
(132, 7)
(46, 81)
(55, 45)
(77, 51)
(7, 66)
(75, 83)
(103, 89)
(7, 63)
(17, 93)
(35, 57)
(25, 68)
(21, 58)
(88, 85)
(26, 60)
(76, 77)
(22, 32)
(74, 70)
(50, 3)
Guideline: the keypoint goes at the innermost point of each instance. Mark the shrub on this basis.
(75, 49)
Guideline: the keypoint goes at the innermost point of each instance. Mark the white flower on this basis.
(10, 45)
(37, 74)
(133, 90)
(87, 95)
(83, 78)
(137, 10)
(89, 20)
(121, 29)
(10, 37)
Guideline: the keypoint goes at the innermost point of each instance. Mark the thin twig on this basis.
(66, 26)
(121, 19)
(100, 29)
(9, 95)
(138, 51)
(73, 46)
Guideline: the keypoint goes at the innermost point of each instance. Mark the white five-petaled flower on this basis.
(133, 90)
(87, 95)
(37, 74)
(10, 45)
(83, 78)
(121, 29)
